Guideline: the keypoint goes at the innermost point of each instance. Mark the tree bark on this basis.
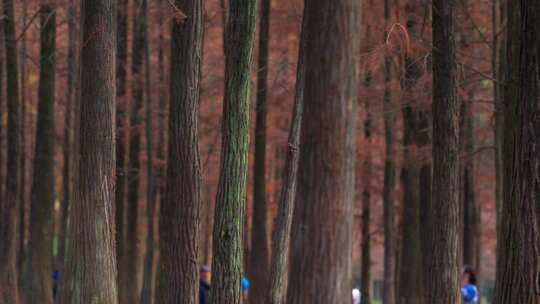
(322, 223)
(518, 266)
(283, 222)
(258, 263)
(9, 290)
(178, 271)
(389, 296)
(90, 275)
(121, 142)
(227, 246)
(39, 263)
(443, 283)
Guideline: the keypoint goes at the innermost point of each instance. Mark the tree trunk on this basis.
(90, 275)
(366, 208)
(258, 264)
(389, 296)
(10, 203)
(131, 246)
(178, 271)
(282, 231)
(518, 266)
(148, 274)
(322, 224)
(39, 263)
(410, 288)
(443, 283)
(227, 246)
(121, 141)
(67, 170)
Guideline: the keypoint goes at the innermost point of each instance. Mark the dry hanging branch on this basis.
(179, 16)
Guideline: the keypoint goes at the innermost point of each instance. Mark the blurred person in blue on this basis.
(469, 291)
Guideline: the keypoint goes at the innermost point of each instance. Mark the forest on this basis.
(269, 151)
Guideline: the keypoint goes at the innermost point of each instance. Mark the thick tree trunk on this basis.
(366, 208)
(121, 142)
(90, 275)
(258, 263)
(518, 266)
(322, 224)
(227, 246)
(9, 290)
(178, 271)
(131, 246)
(67, 170)
(443, 283)
(389, 295)
(39, 262)
(283, 222)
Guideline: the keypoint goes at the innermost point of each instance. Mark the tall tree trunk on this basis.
(90, 275)
(283, 222)
(323, 208)
(39, 263)
(3, 146)
(518, 266)
(148, 273)
(9, 290)
(366, 208)
(443, 283)
(67, 170)
(131, 246)
(258, 263)
(121, 142)
(389, 296)
(227, 246)
(410, 288)
(178, 271)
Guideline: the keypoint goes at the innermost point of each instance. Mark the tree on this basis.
(282, 230)
(9, 206)
(90, 275)
(366, 203)
(518, 266)
(227, 246)
(121, 141)
(39, 262)
(443, 284)
(178, 272)
(258, 263)
(389, 296)
(323, 207)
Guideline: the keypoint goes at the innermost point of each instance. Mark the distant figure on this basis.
(56, 282)
(356, 296)
(469, 291)
(204, 284)
(245, 288)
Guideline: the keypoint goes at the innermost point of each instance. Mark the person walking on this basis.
(204, 285)
(469, 291)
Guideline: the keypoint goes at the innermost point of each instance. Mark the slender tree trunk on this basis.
(3, 145)
(410, 288)
(90, 275)
(67, 184)
(518, 266)
(9, 290)
(443, 283)
(121, 142)
(23, 204)
(133, 269)
(178, 271)
(227, 268)
(366, 208)
(389, 296)
(258, 263)
(322, 224)
(148, 274)
(39, 263)
(282, 231)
